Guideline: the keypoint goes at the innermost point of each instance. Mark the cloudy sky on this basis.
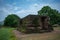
(23, 8)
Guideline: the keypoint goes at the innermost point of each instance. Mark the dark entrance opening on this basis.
(43, 22)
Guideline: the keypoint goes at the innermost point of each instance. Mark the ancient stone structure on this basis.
(36, 23)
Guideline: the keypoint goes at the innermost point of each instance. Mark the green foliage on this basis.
(44, 10)
(58, 19)
(6, 34)
(23, 29)
(12, 20)
(35, 22)
(52, 13)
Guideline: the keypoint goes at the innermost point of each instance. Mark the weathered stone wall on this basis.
(43, 22)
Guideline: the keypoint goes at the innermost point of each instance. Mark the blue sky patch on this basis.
(23, 8)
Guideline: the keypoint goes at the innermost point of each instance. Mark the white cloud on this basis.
(11, 8)
(8, 9)
(32, 9)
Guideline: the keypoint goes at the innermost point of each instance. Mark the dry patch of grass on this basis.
(56, 28)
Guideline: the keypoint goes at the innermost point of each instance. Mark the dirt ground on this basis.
(54, 35)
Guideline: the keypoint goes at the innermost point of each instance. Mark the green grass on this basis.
(7, 34)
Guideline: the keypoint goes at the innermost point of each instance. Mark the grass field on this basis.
(6, 34)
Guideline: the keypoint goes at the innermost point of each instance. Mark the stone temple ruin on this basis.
(36, 23)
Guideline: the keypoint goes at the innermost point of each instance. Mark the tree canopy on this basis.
(12, 20)
(52, 13)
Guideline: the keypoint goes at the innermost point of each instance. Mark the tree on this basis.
(58, 19)
(44, 10)
(12, 20)
(52, 13)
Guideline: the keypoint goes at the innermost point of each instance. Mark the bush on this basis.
(22, 29)
(12, 20)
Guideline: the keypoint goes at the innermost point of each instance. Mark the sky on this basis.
(23, 8)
